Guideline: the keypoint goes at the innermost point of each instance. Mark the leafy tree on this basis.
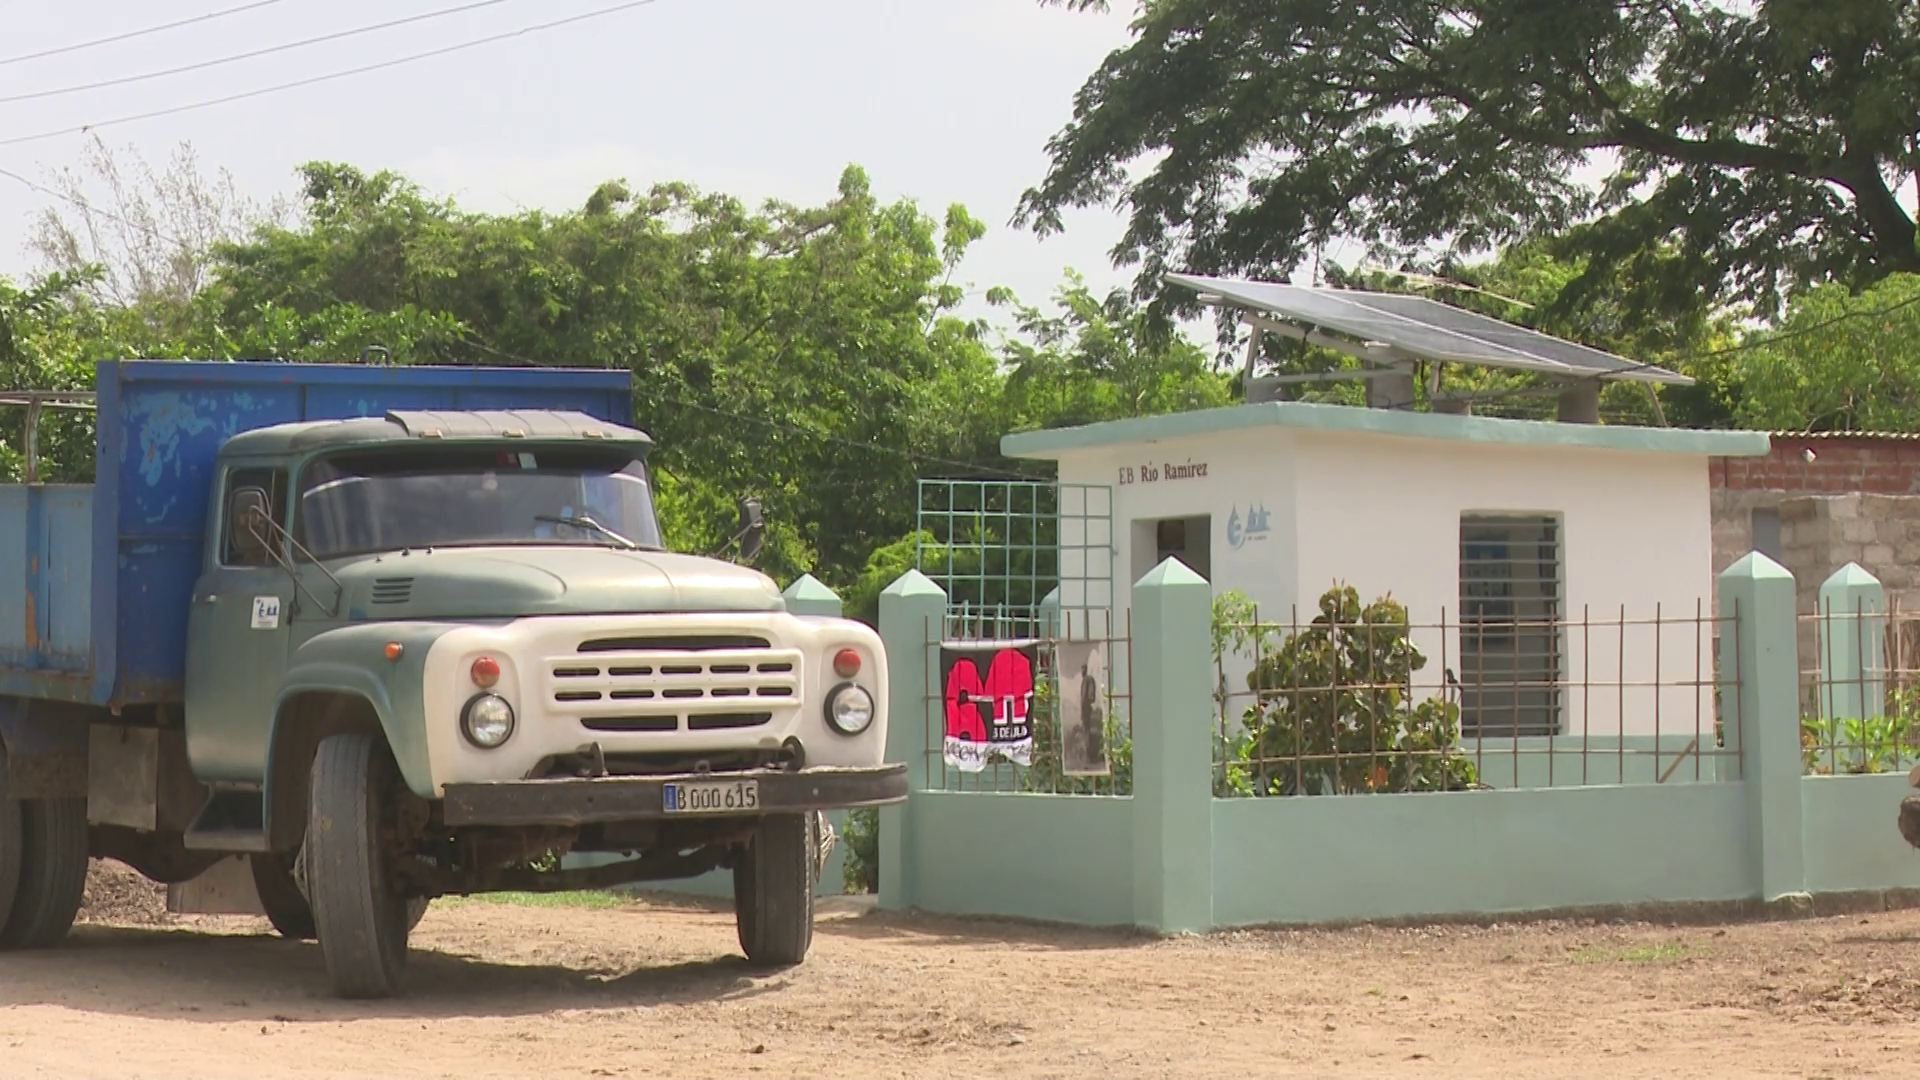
(47, 336)
(1838, 362)
(141, 241)
(1748, 149)
(807, 355)
(1099, 359)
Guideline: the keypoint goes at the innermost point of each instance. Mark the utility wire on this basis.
(90, 208)
(131, 34)
(329, 77)
(266, 51)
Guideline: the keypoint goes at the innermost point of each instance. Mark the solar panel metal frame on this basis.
(1427, 329)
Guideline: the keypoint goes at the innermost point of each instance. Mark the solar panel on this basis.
(1427, 329)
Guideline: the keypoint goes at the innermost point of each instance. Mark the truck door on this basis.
(237, 633)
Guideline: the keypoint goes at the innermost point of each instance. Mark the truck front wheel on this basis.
(773, 891)
(52, 874)
(362, 919)
(280, 896)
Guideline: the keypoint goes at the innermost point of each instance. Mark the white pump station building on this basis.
(1532, 530)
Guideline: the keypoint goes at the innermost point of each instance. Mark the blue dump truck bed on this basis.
(95, 580)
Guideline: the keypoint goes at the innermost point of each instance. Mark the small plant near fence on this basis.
(1331, 708)
(860, 866)
(1862, 745)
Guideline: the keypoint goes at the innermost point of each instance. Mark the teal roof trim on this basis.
(1409, 425)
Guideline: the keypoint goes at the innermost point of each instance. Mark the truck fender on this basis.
(342, 682)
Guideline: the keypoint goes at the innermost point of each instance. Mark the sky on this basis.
(940, 101)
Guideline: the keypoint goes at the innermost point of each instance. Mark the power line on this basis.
(237, 57)
(347, 73)
(1785, 335)
(92, 209)
(131, 34)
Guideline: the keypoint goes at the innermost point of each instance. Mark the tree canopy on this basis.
(1744, 151)
(811, 356)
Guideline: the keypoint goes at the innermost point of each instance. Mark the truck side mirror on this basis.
(247, 519)
(753, 529)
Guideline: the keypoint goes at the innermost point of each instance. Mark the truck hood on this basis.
(511, 582)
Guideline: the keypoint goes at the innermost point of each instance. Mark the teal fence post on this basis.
(1852, 642)
(1172, 750)
(912, 614)
(1760, 691)
(808, 598)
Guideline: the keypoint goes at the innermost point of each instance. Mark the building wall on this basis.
(1383, 513)
(1821, 534)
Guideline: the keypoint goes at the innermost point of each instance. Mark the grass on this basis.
(581, 899)
(1664, 953)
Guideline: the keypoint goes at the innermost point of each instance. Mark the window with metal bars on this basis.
(1510, 625)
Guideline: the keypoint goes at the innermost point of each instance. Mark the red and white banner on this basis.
(989, 694)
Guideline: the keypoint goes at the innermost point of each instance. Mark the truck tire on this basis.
(280, 896)
(286, 904)
(53, 873)
(773, 891)
(361, 918)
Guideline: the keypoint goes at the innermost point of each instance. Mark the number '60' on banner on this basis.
(988, 687)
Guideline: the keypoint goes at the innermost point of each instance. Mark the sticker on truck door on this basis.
(266, 612)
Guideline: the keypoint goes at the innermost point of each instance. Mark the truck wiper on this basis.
(582, 521)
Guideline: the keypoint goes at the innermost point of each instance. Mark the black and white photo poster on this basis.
(1081, 667)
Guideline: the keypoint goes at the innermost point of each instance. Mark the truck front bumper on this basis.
(578, 801)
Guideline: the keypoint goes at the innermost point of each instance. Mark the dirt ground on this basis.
(649, 989)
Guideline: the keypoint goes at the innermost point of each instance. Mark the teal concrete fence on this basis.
(1587, 825)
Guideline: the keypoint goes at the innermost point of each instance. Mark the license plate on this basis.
(717, 797)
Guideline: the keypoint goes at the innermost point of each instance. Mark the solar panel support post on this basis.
(1579, 402)
(1391, 388)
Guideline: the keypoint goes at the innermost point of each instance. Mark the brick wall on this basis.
(1886, 465)
(1880, 466)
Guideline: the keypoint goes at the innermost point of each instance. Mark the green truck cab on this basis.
(431, 651)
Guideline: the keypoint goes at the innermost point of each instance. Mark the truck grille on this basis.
(662, 684)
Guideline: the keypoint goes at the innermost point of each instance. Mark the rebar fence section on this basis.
(1358, 698)
(1036, 703)
(1007, 548)
(1859, 683)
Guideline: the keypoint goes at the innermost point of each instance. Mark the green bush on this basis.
(860, 866)
(1860, 745)
(1331, 713)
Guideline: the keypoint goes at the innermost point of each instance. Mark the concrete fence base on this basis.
(1749, 833)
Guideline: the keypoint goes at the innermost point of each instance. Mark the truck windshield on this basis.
(461, 497)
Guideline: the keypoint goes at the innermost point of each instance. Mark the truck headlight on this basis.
(487, 721)
(849, 709)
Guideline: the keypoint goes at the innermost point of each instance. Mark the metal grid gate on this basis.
(1027, 567)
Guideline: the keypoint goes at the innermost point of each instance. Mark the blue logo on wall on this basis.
(1254, 528)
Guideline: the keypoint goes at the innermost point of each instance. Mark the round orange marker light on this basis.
(846, 663)
(394, 650)
(486, 672)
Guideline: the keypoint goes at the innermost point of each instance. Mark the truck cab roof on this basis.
(441, 426)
